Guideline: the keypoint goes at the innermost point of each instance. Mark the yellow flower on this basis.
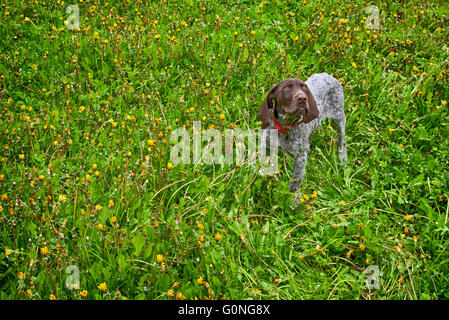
(362, 247)
(150, 142)
(170, 293)
(44, 251)
(200, 226)
(169, 166)
(21, 275)
(7, 252)
(159, 258)
(180, 296)
(52, 297)
(113, 219)
(98, 207)
(2, 177)
(218, 236)
(21, 156)
(102, 286)
(176, 285)
(83, 293)
(199, 280)
(408, 217)
(276, 281)
(314, 195)
(111, 203)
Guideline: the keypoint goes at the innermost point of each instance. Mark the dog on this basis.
(295, 108)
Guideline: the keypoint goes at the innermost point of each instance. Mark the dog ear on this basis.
(265, 109)
(313, 109)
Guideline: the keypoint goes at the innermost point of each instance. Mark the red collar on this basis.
(282, 128)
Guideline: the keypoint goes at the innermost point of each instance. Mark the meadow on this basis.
(91, 206)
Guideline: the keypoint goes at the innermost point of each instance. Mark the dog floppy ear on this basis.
(313, 109)
(265, 109)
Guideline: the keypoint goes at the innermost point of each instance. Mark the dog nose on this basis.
(301, 97)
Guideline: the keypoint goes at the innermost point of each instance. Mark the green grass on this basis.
(72, 100)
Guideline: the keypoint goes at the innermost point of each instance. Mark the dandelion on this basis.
(180, 296)
(44, 251)
(83, 293)
(102, 286)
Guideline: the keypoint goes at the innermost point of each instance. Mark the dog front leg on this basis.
(300, 161)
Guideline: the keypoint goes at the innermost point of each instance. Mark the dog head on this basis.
(289, 100)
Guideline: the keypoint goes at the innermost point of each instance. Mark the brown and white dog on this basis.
(295, 108)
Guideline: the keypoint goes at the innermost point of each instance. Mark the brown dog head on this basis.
(289, 99)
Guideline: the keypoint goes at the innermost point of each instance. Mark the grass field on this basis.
(89, 196)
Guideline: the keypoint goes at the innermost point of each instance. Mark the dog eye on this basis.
(304, 87)
(286, 88)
